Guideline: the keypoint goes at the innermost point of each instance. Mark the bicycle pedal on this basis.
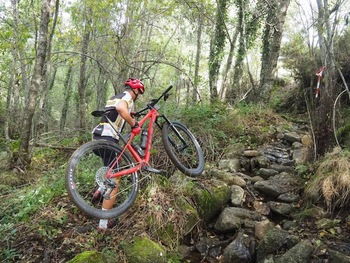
(153, 170)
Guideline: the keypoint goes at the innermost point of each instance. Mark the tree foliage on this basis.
(208, 50)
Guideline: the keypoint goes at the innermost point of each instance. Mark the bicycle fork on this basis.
(184, 144)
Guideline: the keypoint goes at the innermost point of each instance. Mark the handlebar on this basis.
(155, 101)
(100, 113)
(164, 94)
(167, 90)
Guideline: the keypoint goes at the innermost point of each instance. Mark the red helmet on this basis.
(135, 84)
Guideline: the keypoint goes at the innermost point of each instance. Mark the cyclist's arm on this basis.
(122, 108)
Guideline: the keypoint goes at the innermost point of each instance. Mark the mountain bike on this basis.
(106, 167)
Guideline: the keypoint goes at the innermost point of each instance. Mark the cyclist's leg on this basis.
(108, 204)
(108, 158)
(106, 155)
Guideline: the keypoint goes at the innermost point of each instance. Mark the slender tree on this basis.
(217, 46)
(277, 11)
(66, 96)
(198, 55)
(47, 83)
(327, 20)
(24, 151)
(82, 84)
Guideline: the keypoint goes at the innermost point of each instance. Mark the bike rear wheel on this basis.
(183, 148)
(86, 173)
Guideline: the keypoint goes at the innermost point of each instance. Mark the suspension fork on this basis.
(174, 129)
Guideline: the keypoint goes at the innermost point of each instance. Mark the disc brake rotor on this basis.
(101, 176)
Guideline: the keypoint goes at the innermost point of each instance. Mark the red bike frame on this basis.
(152, 116)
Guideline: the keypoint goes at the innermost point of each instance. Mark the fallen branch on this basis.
(53, 146)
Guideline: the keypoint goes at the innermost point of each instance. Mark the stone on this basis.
(233, 218)
(144, 250)
(261, 161)
(88, 257)
(301, 155)
(297, 145)
(231, 165)
(289, 225)
(261, 207)
(237, 195)
(301, 252)
(262, 227)
(288, 198)
(251, 153)
(234, 150)
(278, 184)
(237, 251)
(209, 246)
(227, 177)
(282, 168)
(337, 257)
(292, 137)
(306, 140)
(267, 173)
(209, 200)
(273, 241)
(281, 208)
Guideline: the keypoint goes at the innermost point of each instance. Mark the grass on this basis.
(331, 182)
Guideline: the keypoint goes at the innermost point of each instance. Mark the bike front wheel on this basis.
(86, 179)
(183, 148)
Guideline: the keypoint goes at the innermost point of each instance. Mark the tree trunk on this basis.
(24, 152)
(82, 73)
(19, 80)
(198, 56)
(217, 45)
(229, 62)
(101, 90)
(44, 107)
(322, 120)
(271, 45)
(230, 96)
(67, 94)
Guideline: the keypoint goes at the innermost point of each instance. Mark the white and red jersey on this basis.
(104, 128)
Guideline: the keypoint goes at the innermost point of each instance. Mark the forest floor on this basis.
(58, 232)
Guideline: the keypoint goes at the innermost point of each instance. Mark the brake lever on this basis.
(135, 114)
(166, 96)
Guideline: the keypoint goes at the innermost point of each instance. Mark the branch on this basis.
(334, 130)
(37, 144)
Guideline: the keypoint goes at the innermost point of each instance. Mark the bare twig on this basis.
(53, 146)
(334, 128)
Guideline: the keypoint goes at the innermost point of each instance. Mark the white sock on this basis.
(103, 222)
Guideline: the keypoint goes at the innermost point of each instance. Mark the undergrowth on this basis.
(35, 202)
(331, 182)
(26, 195)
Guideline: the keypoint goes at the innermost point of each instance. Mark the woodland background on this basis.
(235, 65)
(63, 59)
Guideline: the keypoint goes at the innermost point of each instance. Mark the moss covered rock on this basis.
(171, 233)
(88, 257)
(144, 250)
(211, 199)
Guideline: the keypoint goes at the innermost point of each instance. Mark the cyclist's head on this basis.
(135, 84)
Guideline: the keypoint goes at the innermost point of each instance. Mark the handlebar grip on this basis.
(168, 89)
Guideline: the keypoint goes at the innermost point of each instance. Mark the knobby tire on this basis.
(87, 166)
(187, 157)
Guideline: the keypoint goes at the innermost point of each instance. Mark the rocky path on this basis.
(266, 219)
(253, 211)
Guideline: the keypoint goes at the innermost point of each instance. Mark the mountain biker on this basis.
(119, 109)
